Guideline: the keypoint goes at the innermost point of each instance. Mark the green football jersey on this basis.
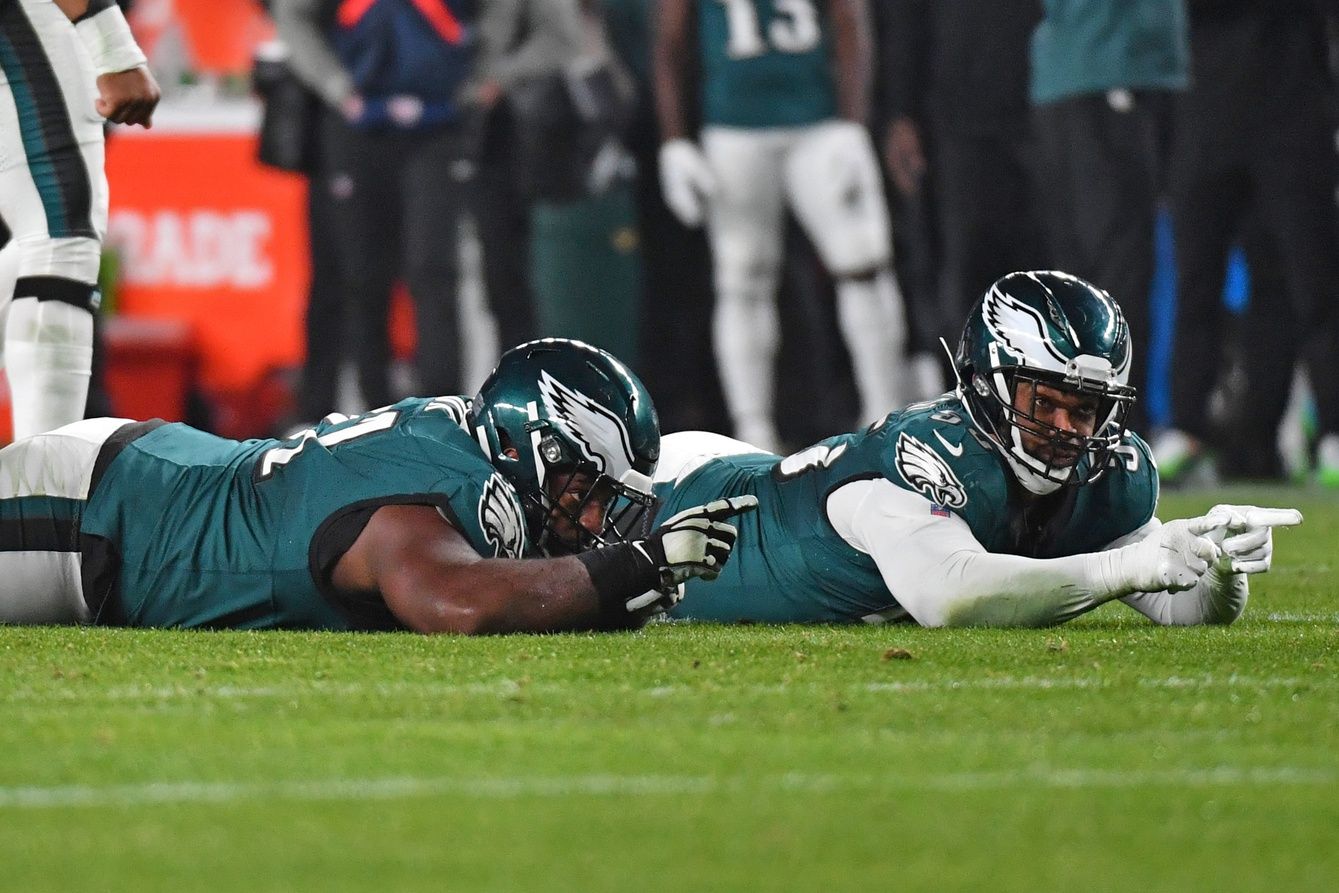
(765, 63)
(206, 532)
(791, 565)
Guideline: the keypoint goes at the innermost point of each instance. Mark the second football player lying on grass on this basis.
(1018, 500)
(436, 515)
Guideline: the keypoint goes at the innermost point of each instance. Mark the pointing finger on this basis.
(1263, 517)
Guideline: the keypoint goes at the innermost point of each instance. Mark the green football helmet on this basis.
(1052, 329)
(554, 408)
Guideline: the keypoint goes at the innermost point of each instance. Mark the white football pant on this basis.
(53, 199)
(828, 174)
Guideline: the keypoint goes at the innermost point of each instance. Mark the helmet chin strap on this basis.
(1033, 481)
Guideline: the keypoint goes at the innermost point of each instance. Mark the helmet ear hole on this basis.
(505, 445)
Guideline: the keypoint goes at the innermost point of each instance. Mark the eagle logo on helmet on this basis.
(501, 518)
(1020, 328)
(594, 429)
(927, 472)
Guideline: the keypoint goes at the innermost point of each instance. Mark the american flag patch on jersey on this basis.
(939, 510)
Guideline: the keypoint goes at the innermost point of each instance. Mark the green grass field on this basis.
(1103, 755)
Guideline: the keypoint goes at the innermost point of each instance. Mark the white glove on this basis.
(656, 601)
(647, 575)
(1244, 535)
(1171, 558)
(686, 181)
(696, 542)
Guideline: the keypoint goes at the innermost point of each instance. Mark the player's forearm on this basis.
(988, 589)
(668, 57)
(942, 575)
(104, 32)
(496, 596)
(1218, 599)
(852, 58)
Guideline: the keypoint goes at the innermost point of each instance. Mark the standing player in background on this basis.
(784, 102)
(1019, 500)
(58, 82)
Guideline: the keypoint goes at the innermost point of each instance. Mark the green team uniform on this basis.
(765, 63)
(185, 529)
(791, 565)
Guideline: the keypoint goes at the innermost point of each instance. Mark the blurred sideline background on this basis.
(206, 267)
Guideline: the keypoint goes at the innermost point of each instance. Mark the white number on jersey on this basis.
(277, 457)
(817, 456)
(794, 30)
(1127, 454)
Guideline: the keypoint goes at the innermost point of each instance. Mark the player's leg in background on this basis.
(1264, 346)
(744, 226)
(328, 305)
(44, 481)
(1208, 203)
(53, 196)
(501, 214)
(1110, 157)
(358, 169)
(832, 181)
(434, 201)
(1296, 202)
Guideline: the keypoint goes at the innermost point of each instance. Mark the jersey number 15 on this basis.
(793, 30)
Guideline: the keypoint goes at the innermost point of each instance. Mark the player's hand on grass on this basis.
(696, 542)
(1244, 536)
(657, 601)
(686, 181)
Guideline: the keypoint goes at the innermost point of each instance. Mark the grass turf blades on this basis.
(1106, 754)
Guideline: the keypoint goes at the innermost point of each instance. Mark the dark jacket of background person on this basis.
(956, 73)
(1091, 46)
(1254, 163)
(392, 150)
(392, 50)
(1103, 76)
(956, 63)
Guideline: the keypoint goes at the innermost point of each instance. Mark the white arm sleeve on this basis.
(1218, 598)
(942, 576)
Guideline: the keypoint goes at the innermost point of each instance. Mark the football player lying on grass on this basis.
(431, 514)
(1018, 500)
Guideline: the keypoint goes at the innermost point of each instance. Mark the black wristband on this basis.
(619, 573)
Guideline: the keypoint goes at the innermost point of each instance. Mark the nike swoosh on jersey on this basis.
(955, 450)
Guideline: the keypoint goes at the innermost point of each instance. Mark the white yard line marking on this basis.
(508, 788)
(1041, 683)
(148, 694)
(1301, 617)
